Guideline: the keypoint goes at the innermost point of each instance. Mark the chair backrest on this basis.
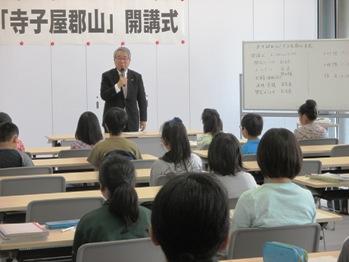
(133, 250)
(74, 153)
(249, 157)
(163, 179)
(311, 167)
(320, 141)
(248, 242)
(43, 211)
(341, 150)
(30, 170)
(232, 202)
(10, 158)
(31, 185)
(123, 153)
(140, 163)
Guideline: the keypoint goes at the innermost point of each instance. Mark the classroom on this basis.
(196, 59)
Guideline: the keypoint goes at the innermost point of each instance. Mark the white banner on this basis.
(93, 21)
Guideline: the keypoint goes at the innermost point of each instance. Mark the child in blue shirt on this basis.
(251, 128)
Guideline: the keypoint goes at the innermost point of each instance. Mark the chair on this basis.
(61, 209)
(320, 141)
(341, 150)
(162, 180)
(311, 167)
(248, 242)
(20, 171)
(31, 185)
(74, 153)
(133, 250)
(249, 157)
(232, 202)
(140, 163)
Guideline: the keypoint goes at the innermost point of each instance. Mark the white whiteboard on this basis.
(281, 75)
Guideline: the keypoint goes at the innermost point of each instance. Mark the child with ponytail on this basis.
(120, 217)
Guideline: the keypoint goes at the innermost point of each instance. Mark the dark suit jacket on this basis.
(135, 103)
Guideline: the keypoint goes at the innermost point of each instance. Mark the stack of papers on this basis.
(22, 231)
(331, 177)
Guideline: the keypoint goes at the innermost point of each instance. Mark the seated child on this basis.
(251, 128)
(6, 118)
(120, 217)
(115, 121)
(308, 128)
(212, 125)
(278, 202)
(178, 159)
(9, 155)
(88, 132)
(190, 218)
(224, 161)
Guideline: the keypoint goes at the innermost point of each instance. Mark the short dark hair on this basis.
(211, 121)
(253, 123)
(4, 117)
(115, 120)
(175, 135)
(88, 129)
(279, 154)
(117, 174)
(7, 131)
(224, 154)
(190, 217)
(309, 108)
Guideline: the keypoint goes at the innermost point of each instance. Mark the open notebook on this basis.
(22, 231)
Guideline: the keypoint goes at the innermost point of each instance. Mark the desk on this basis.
(51, 151)
(327, 162)
(142, 176)
(330, 254)
(19, 203)
(147, 141)
(57, 238)
(316, 150)
(75, 161)
(316, 183)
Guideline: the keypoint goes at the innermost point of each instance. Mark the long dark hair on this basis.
(117, 174)
(88, 129)
(211, 121)
(224, 154)
(174, 134)
(190, 217)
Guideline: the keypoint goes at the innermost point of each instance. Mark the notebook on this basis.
(22, 231)
(330, 177)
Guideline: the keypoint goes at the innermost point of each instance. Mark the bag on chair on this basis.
(276, 252)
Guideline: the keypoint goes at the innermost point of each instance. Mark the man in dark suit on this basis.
(123, 87)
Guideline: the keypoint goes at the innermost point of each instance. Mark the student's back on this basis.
(279, 201)
(9, 155)
(224, 160)
(179, 158)
(120, 217)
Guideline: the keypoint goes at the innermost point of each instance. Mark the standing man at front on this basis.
(123, 87)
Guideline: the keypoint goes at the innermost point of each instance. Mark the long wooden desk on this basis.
(51, 151)
(57, 238)
(331, 255)
(316, 183)
(327, 162)
(142, 176)
(319, 150)
(75, 161)
(19, 203)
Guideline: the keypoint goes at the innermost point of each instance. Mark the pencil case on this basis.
(62, 224)
(276, 252)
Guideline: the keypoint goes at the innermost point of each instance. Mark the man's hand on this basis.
(122, 82)
(142, 125)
